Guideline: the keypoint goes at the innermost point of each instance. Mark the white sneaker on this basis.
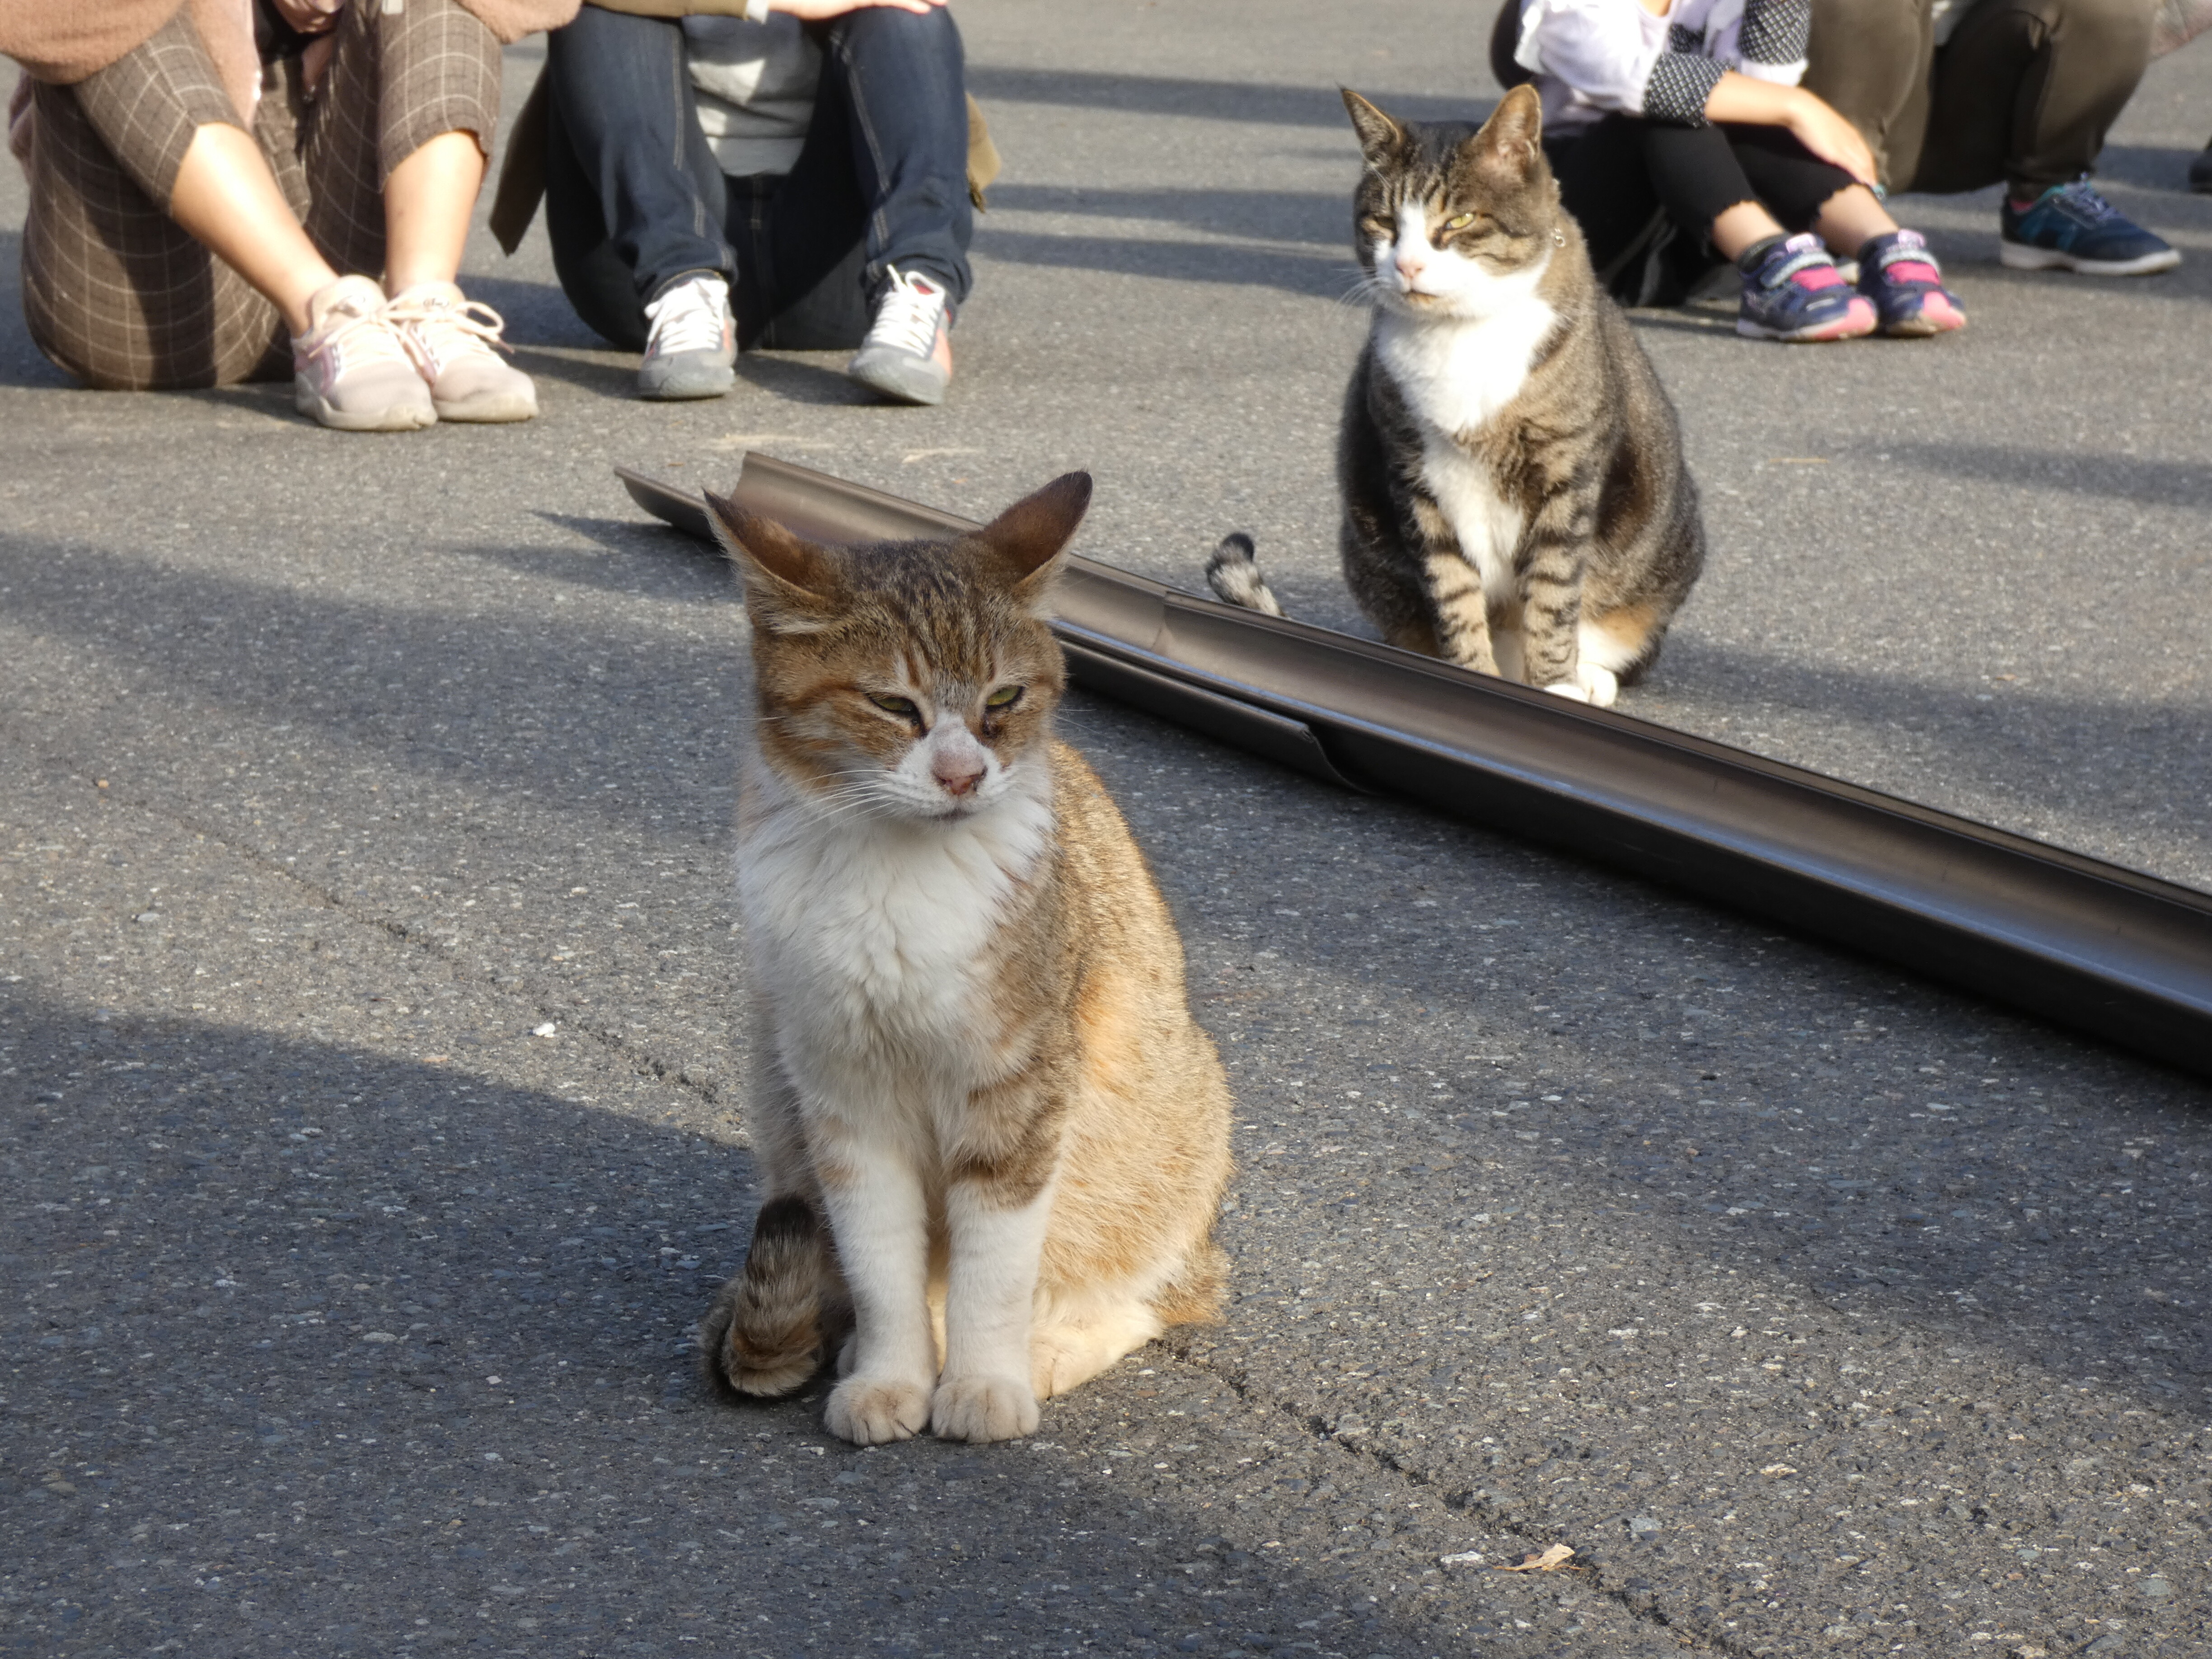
(907, 355)
(455, 343)
(694, 344)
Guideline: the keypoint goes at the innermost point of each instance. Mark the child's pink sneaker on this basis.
(1792, 291)
(1900, 275)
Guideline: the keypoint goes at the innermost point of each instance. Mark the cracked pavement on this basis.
(371, 1111)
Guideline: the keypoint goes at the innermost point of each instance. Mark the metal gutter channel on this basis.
(2120, 955)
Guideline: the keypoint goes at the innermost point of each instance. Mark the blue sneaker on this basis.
(2072, 227)
(1900, 275)
(1793, 291)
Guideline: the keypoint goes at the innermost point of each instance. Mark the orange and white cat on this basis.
(994, 1141)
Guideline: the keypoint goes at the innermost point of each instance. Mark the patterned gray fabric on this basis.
(117, 295)
(1679, 84)
(1775, 31)
(1691, 43)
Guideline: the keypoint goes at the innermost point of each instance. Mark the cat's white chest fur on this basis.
(1456, 374)
(866, 933)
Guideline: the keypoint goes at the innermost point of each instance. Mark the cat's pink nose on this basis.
(1410, 267)
(956, 774)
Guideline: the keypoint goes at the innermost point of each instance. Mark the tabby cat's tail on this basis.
(770, 1327)
(1233, 574)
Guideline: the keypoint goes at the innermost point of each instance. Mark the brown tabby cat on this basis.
(1515, 498)
(975, 1065)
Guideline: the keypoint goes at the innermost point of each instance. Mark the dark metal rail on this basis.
(2120, 955)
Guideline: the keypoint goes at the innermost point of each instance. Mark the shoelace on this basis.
(2090, 199)
(434, 333)
(688, 317)
(908, 315)
(375, 338)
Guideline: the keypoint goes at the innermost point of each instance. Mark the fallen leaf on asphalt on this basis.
(1550, 1561)
(1777, 1468)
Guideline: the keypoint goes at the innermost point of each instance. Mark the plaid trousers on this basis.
(117, 295)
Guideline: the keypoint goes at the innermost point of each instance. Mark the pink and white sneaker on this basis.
(1900, 275)
(351, 370)
(455, 343)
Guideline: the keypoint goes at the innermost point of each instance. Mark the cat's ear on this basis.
(1511, 140)
(1030, 536)
(790, 583)
(1379, 135)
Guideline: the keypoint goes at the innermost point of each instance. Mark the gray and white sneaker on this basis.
(693, 348)
(907, 355)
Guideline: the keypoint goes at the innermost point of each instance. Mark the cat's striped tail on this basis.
(1233, 574)
(770, 1327)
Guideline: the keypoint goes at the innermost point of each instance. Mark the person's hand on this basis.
(310, 17)
(814, 11)
(1830, 136)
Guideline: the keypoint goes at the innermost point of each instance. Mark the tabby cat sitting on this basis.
(1515, 497)
(993, 1142)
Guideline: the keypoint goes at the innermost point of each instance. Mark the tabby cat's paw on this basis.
(870, 1411)
(983, 1408)
(1602, 685)
(1594, 685)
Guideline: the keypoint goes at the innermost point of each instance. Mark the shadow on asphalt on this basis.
(2070, 471)
(804, 377)
(1322, 218)
(685, 558)
(535, 314)
(21, 363)
(311, 1344)
(1329, 278)
(2147, 167)
(1217, 100)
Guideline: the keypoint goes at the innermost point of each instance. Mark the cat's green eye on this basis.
(1005, 697)
(904, 706)
(1460, 222)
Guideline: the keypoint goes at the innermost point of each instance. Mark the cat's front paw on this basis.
(1595, 686)
(871, 1411)
(983, 1408)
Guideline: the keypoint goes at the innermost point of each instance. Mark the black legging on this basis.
(1615, 176)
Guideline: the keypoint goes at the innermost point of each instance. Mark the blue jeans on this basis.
(634, 198)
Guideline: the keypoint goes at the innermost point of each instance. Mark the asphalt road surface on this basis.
(371, 1076)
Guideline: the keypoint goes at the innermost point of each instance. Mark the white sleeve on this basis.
(1596, 46)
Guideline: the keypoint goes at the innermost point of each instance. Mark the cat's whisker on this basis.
(1365, 290)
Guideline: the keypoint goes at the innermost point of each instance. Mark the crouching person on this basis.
(217, 186)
